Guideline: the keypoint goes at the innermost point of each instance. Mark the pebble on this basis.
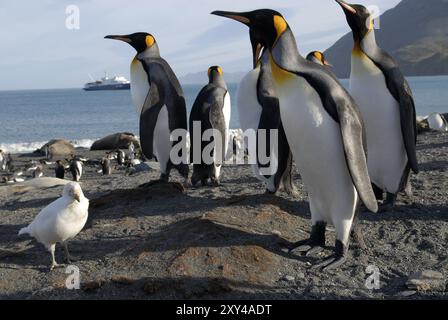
(289, 278)
(407, 293)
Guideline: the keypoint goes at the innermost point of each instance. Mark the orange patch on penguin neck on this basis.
(280, 75)
(280, 26)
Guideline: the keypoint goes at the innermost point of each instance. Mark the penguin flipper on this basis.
(217, 119)
(352, 136)
(148, 121)
(408, 121)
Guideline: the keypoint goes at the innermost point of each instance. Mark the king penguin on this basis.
(212, 110)
(318, 57)
(387, 105)
(258, 109)
(325, 132)
(159, 100)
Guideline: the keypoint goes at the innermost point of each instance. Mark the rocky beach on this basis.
(169, 241)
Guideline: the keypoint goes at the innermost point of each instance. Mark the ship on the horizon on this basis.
(106, 83)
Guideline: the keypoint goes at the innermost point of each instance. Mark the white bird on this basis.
(60, 221)
(2, 161)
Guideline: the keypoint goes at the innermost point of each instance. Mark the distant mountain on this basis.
(415, 33)
(202, 78)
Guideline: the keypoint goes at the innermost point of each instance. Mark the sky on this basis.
(38, 51)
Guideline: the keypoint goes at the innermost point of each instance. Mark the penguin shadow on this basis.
(205, 287)
(434, 166)
(205, 233)
(403, 212)
(29, 204)
(109, 206)
(432, 146)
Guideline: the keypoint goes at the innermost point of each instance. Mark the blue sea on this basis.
(28, 119)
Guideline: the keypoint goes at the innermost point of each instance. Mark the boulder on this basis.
(116, 141)
(57, 148)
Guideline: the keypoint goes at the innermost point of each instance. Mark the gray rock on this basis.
(408, 293)
(427, 280)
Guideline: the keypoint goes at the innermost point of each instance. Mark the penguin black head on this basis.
(213, 72)
(318, 57)
(359, 19)
(265, 27)
(140, 41)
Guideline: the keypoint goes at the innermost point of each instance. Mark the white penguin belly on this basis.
(227, 113)
(161, 141)
(139, 85)
(249, 110)
(381, 112)
(316, 143)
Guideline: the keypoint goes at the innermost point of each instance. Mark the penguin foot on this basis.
(331, 263)
(270, 193)
(335, 260)
(206, 182)
(378, 192)
(388, 204)
(292, 192)
(215, 182)
(56, 266)
(164, 177)
(309, 249)
(314, 244)
(71, 259)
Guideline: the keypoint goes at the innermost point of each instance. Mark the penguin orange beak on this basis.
(256, 53)
(346, 6)
(121, 38)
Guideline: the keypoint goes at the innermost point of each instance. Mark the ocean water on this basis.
(29, 119)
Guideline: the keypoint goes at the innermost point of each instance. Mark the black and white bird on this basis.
(324, 129)
(76, 168)
(59, 170)
(387, 106)
(106, 167)
(159, 100)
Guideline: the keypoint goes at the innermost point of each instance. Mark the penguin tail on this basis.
(24, 231)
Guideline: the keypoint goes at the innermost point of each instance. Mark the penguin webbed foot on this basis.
(388, 204)
(71, 259)
(314, 244)
(215, 182)
(56, 266)
(334, 261)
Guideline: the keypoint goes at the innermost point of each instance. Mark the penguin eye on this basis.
(149, 41)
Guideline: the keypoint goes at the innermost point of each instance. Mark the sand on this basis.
(170, 242)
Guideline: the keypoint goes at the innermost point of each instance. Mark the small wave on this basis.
(25, 147)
